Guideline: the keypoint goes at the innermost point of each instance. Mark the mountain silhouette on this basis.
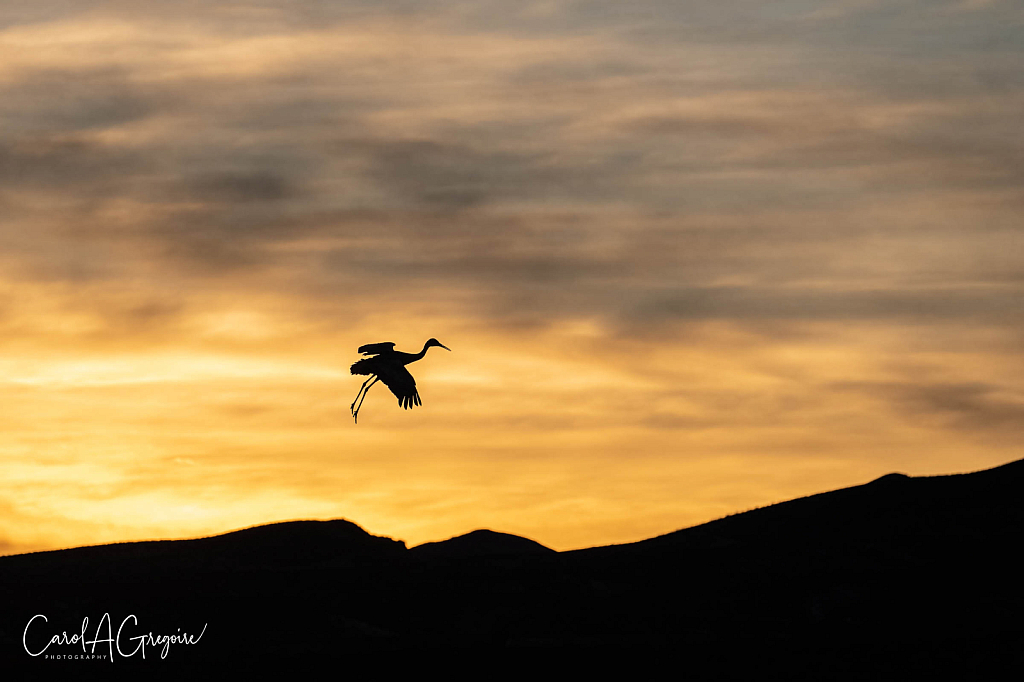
(295, 544)
(480, 544)
(900, 574)
(895, 510)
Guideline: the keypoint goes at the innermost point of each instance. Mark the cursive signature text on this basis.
(125, 643)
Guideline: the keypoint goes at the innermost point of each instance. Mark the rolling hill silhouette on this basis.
(480, 544)
(903, 573)
(292, 544)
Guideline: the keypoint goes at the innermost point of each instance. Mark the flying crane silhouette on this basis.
(388, 365)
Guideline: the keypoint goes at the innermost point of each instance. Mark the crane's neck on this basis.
(420, 355)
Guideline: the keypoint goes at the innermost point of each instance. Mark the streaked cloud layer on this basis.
(691, 259)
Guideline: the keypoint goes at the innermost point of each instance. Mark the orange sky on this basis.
(689, 261)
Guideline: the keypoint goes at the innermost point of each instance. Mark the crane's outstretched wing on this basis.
(401, 384)
(376, 348)
(366, 366)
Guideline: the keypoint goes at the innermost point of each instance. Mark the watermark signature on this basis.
(124, 643)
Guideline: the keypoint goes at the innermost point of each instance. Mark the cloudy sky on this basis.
(691, 258)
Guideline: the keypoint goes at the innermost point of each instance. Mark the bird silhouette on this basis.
(388, 365)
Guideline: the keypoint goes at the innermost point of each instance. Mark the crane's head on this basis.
(435, 342)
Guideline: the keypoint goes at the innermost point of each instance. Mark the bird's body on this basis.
(388, 365)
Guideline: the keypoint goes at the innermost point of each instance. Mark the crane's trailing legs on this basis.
(362, 391)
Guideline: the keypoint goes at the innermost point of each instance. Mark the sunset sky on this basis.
(691, 258)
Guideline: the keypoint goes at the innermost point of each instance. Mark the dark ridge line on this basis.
(886, 479)
(125, 543)
(890, 477)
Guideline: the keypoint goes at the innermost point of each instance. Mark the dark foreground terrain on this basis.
(896, 575)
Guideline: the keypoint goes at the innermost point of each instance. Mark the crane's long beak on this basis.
(445, 347)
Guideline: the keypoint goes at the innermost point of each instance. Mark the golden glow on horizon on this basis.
(119, 448)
